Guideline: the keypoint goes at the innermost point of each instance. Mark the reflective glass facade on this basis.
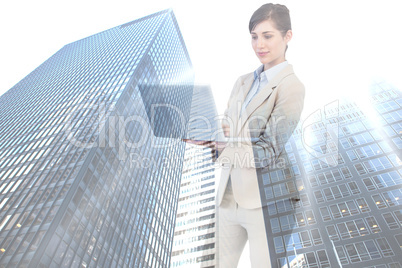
(195, 241)
(89, 172)
(345, 165)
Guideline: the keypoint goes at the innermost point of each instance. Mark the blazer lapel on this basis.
(262, 95)
(241, 96)
(245, 88)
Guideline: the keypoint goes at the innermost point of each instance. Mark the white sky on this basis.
(337, 46)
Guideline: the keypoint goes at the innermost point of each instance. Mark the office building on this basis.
(345, 163)
(194, 240)
(90, 155)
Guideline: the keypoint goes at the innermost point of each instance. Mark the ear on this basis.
(288, 35)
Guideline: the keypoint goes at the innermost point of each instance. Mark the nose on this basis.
(260, 43)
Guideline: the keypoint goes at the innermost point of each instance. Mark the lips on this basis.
(262, 54)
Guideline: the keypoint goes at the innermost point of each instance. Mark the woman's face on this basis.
(269, 44)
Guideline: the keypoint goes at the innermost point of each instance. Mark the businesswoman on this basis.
(263, 110)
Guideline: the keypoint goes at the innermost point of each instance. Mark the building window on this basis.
(279, 248)
(341, 255)
(332, 233)
(384, 247)
(373, 225)
(323, 258)
(362, 251)
(369, 184)
(391, 221)
(398, 238)
(377, 164)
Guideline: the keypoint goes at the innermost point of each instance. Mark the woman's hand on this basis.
(216, 146)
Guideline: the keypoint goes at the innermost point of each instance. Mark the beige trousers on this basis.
(236, 225)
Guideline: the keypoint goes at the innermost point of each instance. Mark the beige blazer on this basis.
(258, 135)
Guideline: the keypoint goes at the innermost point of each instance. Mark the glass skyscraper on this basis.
(90, 160)
(345, 165)
(195, 240)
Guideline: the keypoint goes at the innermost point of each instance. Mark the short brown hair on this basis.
(277, 13)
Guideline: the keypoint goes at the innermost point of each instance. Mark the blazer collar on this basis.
(262, 95)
